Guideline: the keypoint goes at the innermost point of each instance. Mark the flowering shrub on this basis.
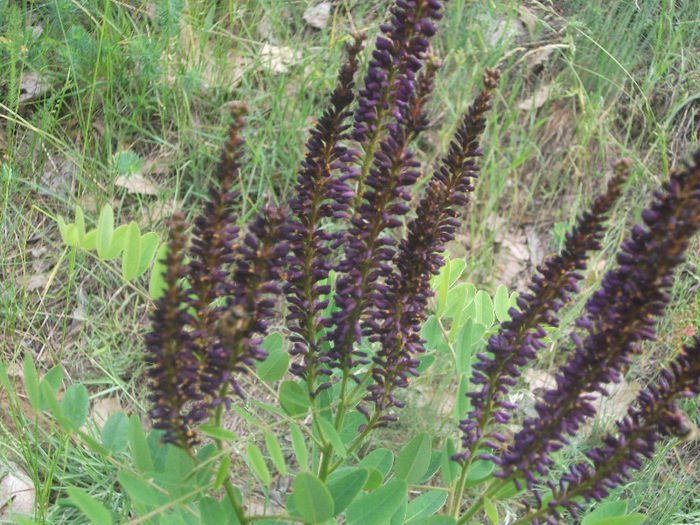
(352, 260)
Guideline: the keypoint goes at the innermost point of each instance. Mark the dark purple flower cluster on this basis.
(391, 112)
(655, 415)
(353, 195)
(369, 245)
(204, 331)
(400, 311)
(518, 339)
(397, 58)
(618, 317)
(173, 371)
(320, 195)
(232, 281)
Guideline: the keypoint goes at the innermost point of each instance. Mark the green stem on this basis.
(230, 493)
(492, 489)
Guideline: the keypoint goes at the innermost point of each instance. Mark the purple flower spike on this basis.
(173, 369)
(397, 57)
(398, 309)
(617, 318)
(369, 246)
(654, 415)
(196, 343)
(518, 340)
(320, 195)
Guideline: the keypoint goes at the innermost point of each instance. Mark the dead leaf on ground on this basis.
(539, 381)
(612, 407)
(528, 18)
(37, 281)
(534, 245)
(136, 183)
(538, 99)
(512, 261)
(318, 15)
(79, 314)
(277, 59)
(538, 55)
(16, 493)
(103, 408)
(33, 86)
(58, 176)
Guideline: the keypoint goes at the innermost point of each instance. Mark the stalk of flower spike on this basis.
(617, 317)
(390, 78)
(369, 247)
(518, 339)
(172, 366)
(400, 304)
(655, 415)
(320, 195)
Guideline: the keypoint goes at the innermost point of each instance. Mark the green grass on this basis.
(155, 78)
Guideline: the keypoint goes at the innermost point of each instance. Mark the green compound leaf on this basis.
(457, 267)
(139, 446)
(484, 308)
(117, 245)
(611, 509)
(398, 517)
(312, 498)
(71, 235)
(115, 433)
(105, 231)
(478, 472)
(75, 405)
(414, 459)
(218, 432)
(294, 399)
(211, 512)
(426, 504)
(156, 282)
(628, 519)
(332, 436)
(463, 403)
(471, 333)
(49, 396)
(275, 450)
(433, 466)
(344, 486)
(299, 445)
(450, 469)
(53, 378)
(491, 511)
(149, 244)
(93, 509)
(62, 229)
(131, 259)
(433, 520)
(377, 508)
(382, 459)
(222, 472)
(257, 463)
(89, 242)
(374, 478)
(138, 489)
(501, 304)
(277, 361)
(80, 223)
